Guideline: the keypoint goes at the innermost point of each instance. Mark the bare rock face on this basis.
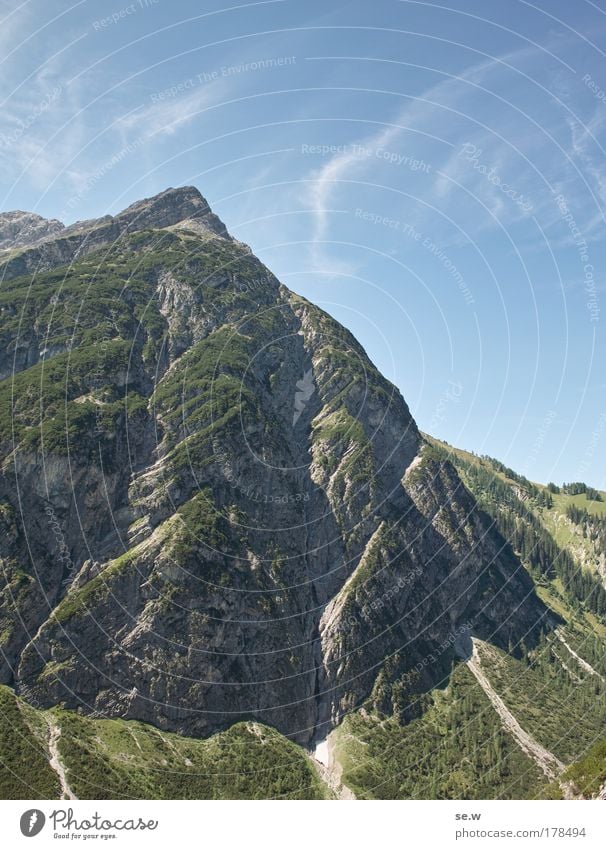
(21, 229)
(171, 207)
(216, 508)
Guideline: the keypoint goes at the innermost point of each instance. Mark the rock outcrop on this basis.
(20, 229)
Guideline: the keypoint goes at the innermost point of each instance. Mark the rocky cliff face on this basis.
(19, 229)
(215, 508)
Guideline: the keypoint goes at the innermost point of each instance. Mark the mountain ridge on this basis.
(63, 244)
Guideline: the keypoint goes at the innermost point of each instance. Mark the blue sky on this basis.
(433, 175)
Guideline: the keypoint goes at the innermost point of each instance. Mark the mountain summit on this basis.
(171, 207)
(35, 244)
(19, 229)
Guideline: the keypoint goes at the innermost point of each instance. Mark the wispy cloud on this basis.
(171, 113)
(512, 179)
(422, 116)
(584, 147)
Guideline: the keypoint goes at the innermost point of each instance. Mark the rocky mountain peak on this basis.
(173, 204)
(20, 229)
(166, 209)
(171, 207)
(46, 244)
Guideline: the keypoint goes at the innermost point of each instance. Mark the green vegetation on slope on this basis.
(115, 758)
(588, 775)
(522, 514)
(457, 747)
(552, 697)
(101, 332)
(24, 769)
(456, 750)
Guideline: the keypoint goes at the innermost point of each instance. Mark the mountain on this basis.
(217, 514)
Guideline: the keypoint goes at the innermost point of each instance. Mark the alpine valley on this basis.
(233, 567)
